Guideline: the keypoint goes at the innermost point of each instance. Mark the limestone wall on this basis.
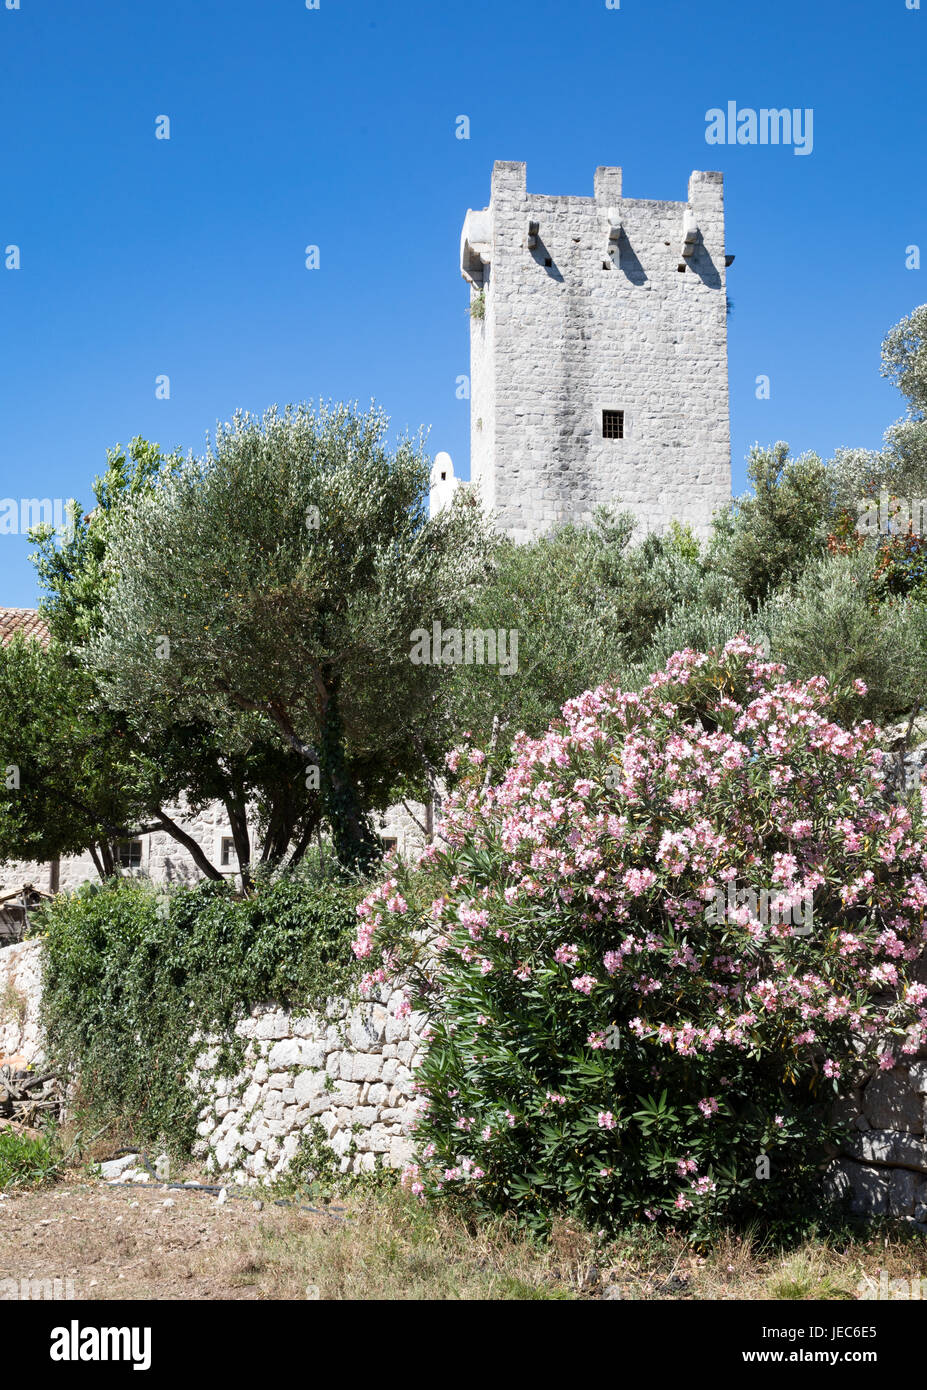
(883, 1168)
(20, 997)
(350, 1069)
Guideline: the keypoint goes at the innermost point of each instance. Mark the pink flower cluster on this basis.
(613, 834)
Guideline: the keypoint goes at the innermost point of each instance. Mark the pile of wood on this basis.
(15, 907)
(29, 1099)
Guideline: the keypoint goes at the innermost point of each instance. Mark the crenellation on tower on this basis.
(598, 353)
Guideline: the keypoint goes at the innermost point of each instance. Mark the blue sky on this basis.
(336, 127)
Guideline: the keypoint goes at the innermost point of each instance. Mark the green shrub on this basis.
(764, 540)
(25, 1161)
(132, 976)
(654, 953)
(833, 621)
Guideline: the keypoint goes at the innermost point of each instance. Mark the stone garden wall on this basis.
(349, 1069)
(352, 1070)
(883, 1169)
(20, 997)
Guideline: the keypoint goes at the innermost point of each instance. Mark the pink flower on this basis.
(583, 983)
(606, 1120)
(639, 880)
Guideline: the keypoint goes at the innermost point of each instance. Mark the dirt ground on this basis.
(137, 1242)
(96, 1241)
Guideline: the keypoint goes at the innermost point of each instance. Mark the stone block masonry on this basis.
(20, 998)
(591, 305)
(350, 1069)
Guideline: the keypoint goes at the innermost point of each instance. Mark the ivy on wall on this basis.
(135, 979)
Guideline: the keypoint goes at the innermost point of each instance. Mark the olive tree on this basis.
(281, 575)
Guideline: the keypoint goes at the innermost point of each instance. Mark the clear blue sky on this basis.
(336, 127)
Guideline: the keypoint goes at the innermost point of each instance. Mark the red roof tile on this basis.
(24, 620)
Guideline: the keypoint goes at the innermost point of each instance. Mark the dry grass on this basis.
(149, 1242)
(388, 1248)
(827, 1266)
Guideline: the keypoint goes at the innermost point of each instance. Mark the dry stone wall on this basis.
(352, 1069)
(20, 997)
(349, 1068)
(883, 1168)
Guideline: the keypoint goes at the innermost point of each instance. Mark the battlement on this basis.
(599, 357)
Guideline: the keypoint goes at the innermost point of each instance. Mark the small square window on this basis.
(129, 854)
(613, 424)
(227, 855)
(547, 260)
(389, 843)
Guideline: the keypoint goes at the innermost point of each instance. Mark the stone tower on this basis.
(598, 353)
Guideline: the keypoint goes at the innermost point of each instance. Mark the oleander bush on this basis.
(653, 951)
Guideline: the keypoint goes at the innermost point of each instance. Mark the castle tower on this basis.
(598, 354)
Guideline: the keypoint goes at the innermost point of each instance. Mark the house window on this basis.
(227, 855)
(129, 854)
(389, 843)
(613, 424)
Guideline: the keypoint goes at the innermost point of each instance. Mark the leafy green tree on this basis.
(834, 621)
(766, 539)
(64, 787)
(904, 360)
(236, 759)
(282, 577)
(588, 606)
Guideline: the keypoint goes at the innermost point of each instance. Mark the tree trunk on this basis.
(357, 847)
(238, 820)
(311, 824)
(188, 842)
